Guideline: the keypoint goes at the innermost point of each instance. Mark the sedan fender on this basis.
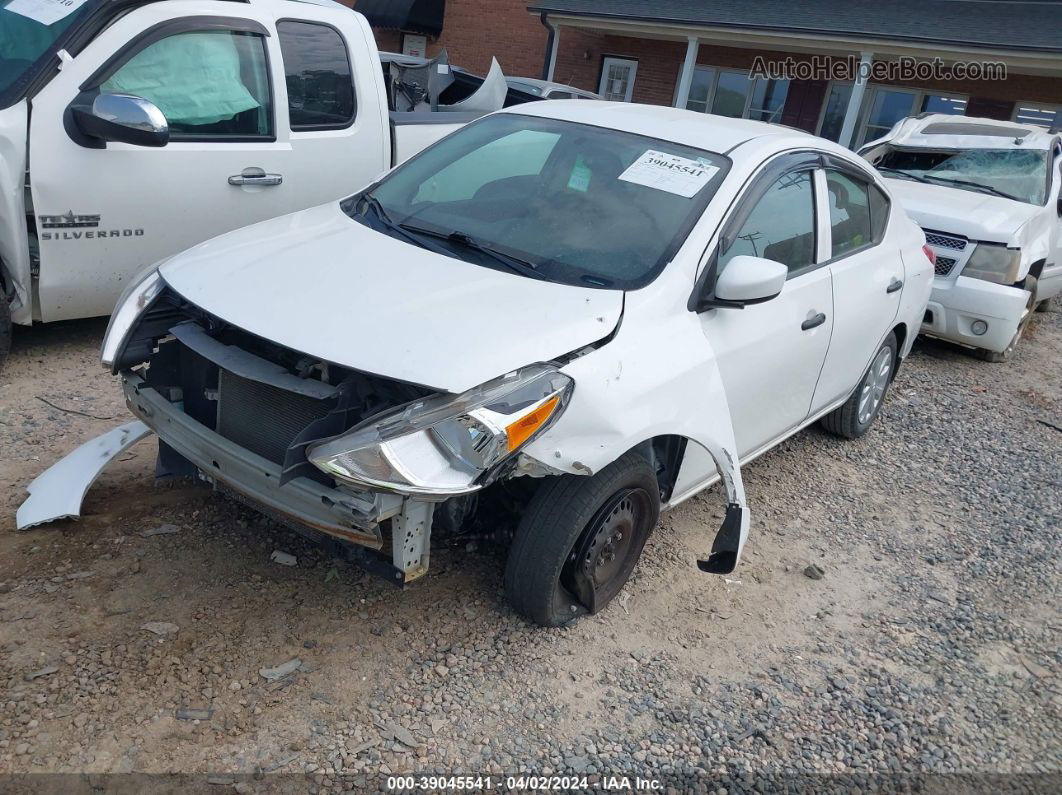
(634, 390)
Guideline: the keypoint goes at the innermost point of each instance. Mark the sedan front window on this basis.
(567, 202)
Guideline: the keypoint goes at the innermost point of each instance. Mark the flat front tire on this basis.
(579, 540)
(854, 418)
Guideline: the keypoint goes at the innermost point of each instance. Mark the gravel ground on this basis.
(928, 647)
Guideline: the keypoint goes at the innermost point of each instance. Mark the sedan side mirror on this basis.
(750, 280)
(124, 118)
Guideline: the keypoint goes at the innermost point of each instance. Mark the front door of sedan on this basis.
(770, 354)
(868, 275)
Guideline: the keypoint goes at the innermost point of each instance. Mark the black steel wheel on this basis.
(580, 539)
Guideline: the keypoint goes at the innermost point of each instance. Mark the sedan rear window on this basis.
(562, 201)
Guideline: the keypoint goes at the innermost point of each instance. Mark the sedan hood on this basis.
(323, 284)
(978, 216)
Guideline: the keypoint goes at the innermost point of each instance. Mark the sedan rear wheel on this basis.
(854, 418)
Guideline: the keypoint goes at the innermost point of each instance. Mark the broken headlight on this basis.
(445, 445)
(993, 262)
(142, 290)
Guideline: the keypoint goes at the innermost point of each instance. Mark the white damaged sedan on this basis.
(584, 312)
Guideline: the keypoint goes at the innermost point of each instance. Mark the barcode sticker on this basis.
(671, 173)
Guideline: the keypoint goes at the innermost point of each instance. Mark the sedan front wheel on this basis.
(579, 541)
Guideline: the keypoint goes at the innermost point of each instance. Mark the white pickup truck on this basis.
(986, 193)
(134, 129)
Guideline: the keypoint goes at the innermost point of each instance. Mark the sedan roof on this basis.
(701, 130)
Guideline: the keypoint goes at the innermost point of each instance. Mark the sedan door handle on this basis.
(894, 285)
(255, 176)
(812, 322)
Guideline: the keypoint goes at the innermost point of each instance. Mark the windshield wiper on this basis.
(370, 202)
(902, 173)
(975, 186)
(515, 264)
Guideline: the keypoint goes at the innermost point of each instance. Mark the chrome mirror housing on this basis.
(124, 118)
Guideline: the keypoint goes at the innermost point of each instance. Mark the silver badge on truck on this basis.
(80, 221)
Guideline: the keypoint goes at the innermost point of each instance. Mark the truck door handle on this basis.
(255, 176)
(812, 322)
(894, 285)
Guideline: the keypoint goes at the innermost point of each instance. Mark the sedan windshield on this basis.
(548, 199)
(28, 32)
(1019, 174)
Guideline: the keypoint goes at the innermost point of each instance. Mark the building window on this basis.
(768, 99)
(883, 106)
(1038, 113)
(833, 112)
(617, 79)
(939, 103)
(731, 93)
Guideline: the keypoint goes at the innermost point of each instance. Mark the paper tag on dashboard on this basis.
(671, 173)
(47, 12)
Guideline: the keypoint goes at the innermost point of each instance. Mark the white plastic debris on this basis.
(58, 491)
(282, 670)
(283, 558)
(161, 530)
(161, 627)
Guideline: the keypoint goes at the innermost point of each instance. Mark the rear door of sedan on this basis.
(867, 272)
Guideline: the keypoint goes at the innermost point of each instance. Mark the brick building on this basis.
(699, 55)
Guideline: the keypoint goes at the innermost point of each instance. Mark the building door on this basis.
(617, 79)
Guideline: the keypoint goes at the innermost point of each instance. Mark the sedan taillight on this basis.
(930, 255)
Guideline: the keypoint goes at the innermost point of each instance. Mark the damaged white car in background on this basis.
(987, 195)
(587, 312)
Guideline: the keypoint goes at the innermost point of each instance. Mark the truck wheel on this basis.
(5, 328)
(579, 540)
(1026, 319)
(854, 418)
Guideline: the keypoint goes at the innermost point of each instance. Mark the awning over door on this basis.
(416, 16)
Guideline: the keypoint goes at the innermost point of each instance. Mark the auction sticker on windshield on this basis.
(671, 173)
(47, 12)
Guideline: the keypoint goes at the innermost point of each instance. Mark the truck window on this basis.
(318, 75)
(209, 84)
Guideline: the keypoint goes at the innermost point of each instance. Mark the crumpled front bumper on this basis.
(353, 518)
(956, 304)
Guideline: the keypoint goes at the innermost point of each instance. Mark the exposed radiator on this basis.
(262, 418)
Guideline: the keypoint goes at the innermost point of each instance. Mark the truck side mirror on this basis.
(123, 118)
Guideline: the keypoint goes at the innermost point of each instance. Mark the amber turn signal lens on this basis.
(522, 430)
